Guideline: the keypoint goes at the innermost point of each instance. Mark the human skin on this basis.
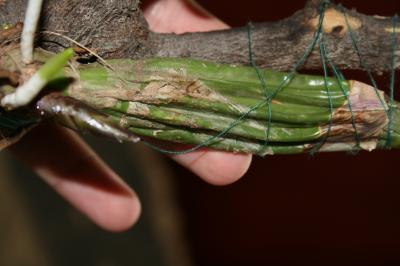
(72, 169)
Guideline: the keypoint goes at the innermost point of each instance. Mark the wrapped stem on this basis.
(196, 100)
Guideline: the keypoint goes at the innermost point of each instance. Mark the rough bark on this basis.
(279, 45)
(117, 28)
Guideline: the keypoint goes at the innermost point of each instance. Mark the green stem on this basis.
(248, 128)
(225, 107)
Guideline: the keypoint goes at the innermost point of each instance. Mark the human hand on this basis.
(68, 165)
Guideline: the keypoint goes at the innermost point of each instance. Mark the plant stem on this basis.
(225, 107)
(195, 100)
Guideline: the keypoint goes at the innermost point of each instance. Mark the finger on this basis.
(68, 165)
(179, 16)
(216, 167)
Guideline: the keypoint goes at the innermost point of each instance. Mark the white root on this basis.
(28, 91)
(28, 33)
(25, 93)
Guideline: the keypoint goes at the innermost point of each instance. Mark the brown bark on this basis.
(117, 28)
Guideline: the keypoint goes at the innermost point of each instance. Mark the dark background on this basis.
(329, 209)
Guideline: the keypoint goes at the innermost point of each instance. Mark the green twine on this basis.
(14, 121)
(211, 139)
(340, 78)
(269, 99)
(262, 82)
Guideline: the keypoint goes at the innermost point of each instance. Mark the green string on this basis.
(263, 83)
(322, 50)
(392, 83)
(340, 78)
(360, 58)
(211, 139)
(267, 101)
(325, 60)
(13, 121)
